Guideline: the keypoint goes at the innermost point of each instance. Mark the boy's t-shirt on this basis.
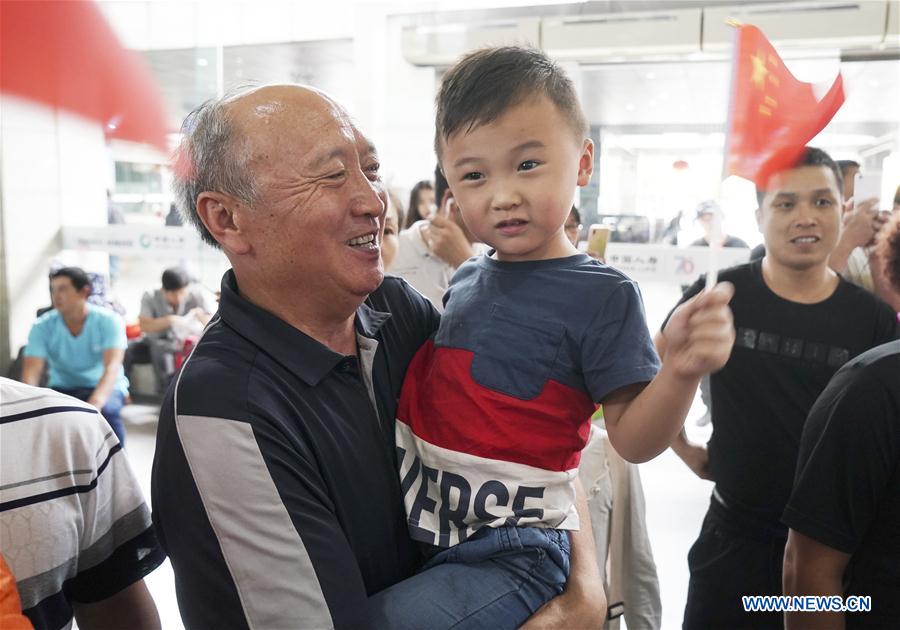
(495, 409)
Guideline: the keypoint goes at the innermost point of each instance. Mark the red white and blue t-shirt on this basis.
(495, 408)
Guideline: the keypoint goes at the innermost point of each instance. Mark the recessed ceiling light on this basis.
(650, 75)
(202, 62)
(629, 107)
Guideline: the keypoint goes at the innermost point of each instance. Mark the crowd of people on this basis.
(392, 427)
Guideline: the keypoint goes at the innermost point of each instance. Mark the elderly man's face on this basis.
(316, 223)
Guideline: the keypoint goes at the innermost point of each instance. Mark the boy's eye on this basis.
(824, 202)
(473, 176)
(527, 165)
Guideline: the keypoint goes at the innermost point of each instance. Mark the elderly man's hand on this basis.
(700, 333)
(575, 608)
(447, 241)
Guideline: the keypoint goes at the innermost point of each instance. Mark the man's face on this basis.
(175, 296)
(800, 217)
(65, 298)
(514, 179)
(316, 223)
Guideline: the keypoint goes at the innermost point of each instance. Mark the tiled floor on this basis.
(676, 499)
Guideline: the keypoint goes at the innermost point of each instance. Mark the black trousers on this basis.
(733, 556)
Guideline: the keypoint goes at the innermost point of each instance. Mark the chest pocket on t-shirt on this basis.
(514, 354)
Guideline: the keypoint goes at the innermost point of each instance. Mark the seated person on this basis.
(706, 213)
(84, 346)
(168, 316)
(74, 527)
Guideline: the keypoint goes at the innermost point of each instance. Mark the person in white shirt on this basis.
(431, 249)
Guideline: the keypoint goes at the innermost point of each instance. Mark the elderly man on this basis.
(275, 489)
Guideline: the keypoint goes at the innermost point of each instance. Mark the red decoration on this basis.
(65, 55)
(772, 114)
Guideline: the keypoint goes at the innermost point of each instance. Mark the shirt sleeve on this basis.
(849, 450)
(113, 332)
(616, 347)
(254, 538)
(118, 546)
(147, 309)
(37, 341)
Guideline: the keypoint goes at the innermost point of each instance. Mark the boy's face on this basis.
(800, 217)
(514, 179)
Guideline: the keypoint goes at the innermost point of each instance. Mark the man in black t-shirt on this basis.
(797, 322)
(844, 512)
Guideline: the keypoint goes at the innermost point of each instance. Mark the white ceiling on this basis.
(696, 93)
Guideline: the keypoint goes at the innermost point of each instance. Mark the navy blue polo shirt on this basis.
(275, 490)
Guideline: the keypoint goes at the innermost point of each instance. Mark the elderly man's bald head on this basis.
(227, 141)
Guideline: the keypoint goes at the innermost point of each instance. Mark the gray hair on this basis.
(210, 159)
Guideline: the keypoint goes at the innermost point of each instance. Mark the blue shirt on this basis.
(77, 361)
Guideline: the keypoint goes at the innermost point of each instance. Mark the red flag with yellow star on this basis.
(65, 55)
(772, 114)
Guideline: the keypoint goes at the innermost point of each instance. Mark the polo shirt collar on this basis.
(296, 351)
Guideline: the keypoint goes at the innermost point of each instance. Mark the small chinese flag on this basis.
(772, 114)
(65, 55)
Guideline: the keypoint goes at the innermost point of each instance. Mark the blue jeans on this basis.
(496, 579)
(112, 410)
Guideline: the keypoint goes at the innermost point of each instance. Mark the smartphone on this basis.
(866, 187)
(598, 237)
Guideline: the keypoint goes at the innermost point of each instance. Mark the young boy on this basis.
(495, 409)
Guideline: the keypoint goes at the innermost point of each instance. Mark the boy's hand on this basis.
(700, 333)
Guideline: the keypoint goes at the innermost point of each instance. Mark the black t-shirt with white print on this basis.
(783, 357)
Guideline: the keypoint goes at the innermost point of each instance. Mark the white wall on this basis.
(53, 172)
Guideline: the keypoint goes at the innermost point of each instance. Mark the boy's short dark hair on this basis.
(811, 157)
(486, 83)
(440, 184)
(77, 275)
(175, 278)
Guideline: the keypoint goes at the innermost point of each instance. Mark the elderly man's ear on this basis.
(223, 216)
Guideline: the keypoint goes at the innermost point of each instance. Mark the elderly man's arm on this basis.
(32, 369)
(112, 363)
(813, 568)
(583, 604)
(132, 608)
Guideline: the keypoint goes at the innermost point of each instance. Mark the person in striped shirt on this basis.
(74, 527)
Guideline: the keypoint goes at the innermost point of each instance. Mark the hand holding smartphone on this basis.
(866, 188)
